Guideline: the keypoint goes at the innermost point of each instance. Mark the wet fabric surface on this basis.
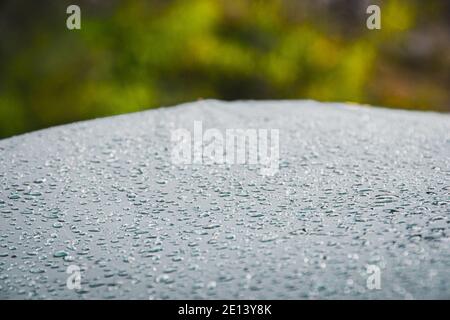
(358, 189)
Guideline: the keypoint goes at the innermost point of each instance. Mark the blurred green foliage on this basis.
(134, 55)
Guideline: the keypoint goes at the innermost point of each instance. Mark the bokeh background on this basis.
(135, 55)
